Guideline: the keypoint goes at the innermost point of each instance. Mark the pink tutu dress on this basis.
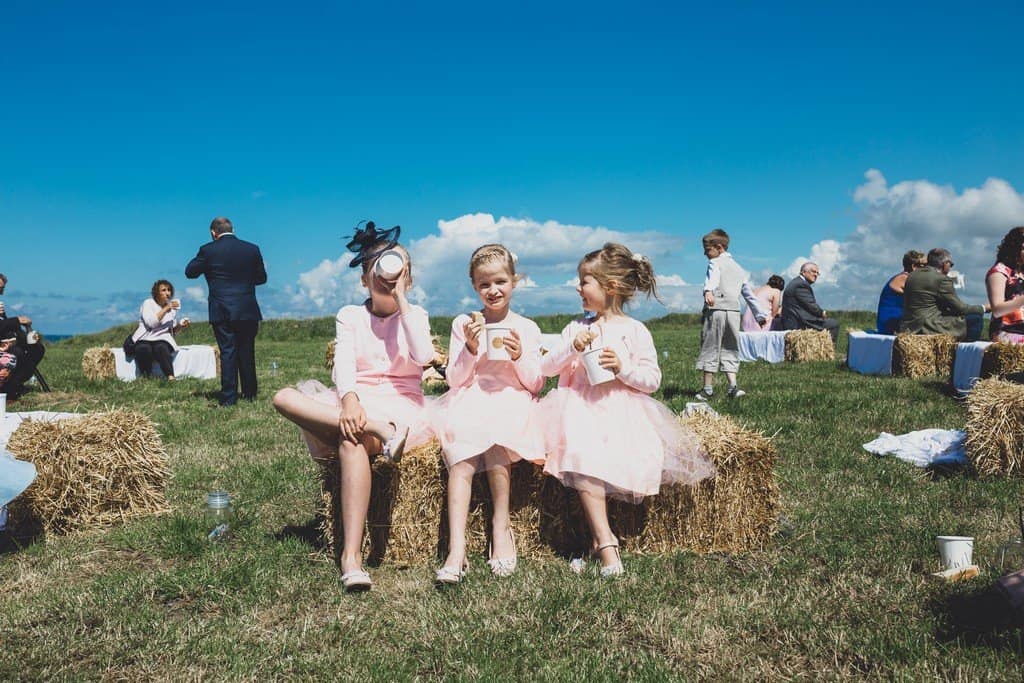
(492, 403)
(613, 438)
(381, 360)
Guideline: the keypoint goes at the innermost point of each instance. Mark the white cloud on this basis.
(547, 252)
(827, 254)
(914, 214)
(195, 293)
(670, 281)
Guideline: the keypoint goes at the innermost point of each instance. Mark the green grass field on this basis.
(843, 592)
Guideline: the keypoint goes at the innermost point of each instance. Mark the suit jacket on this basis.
(800, 309)
(232, 268)
(931, 306)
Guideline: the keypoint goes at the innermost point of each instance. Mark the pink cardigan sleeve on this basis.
(461, 362)
(555, 361)
(344, 373)
(528, 366)
(640, 370)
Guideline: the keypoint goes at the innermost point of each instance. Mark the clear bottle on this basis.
(1011, 556)
(219, 516)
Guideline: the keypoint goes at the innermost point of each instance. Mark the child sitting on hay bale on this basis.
(605, 435)
(377, 406)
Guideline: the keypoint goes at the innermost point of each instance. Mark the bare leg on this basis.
(355, 502)
(460, 488)
(500, 480)
(709, 379)
(319, 418)
(595, 507)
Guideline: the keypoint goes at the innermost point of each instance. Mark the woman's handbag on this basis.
(128, 346)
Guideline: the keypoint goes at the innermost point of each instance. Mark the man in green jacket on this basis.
(931, 306)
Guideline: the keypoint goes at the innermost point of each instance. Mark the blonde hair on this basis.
(620, 272)
(491, 253)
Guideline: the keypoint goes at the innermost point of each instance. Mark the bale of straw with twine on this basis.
(809, 345)
(407, 522)
(923, 355)
(735, 511)
(98, 363)
(1002, 359)
(995, 427)
(93, 471)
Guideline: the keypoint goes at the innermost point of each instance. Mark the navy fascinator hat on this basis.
(368, 241)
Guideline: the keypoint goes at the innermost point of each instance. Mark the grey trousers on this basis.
(720, 342)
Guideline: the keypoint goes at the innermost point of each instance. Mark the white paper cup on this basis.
(389, 265)
(496, 334)
(32, 337)
(956, 551)
(175, 303)
(595, 373)
(3, 407)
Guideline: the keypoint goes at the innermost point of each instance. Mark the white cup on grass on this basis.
(956, 551)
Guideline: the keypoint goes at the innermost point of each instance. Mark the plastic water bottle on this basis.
(274, 367)
(219, 515)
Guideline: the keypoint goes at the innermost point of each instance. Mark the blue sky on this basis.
(128, 126)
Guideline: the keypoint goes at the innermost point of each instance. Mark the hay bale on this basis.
(93, 471)
(808, 345)
(1002, 359)
(98, 363)
(995, 427)
(736, 511)
(923, 355)
(407, 523)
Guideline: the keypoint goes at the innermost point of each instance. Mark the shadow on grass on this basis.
(308, 533)
(979, 617)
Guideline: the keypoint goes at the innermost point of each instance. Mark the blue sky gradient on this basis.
(128, 126)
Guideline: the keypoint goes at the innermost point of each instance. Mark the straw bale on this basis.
(808, 345)
(735, 511)
(93, 471)
(923, 355)
(98, 363)
(407, 522)
(1002, 359)
(995, 427)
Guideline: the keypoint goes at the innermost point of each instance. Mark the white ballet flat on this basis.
(395, 446)
(450, 576)
(504, 566)
(356, 581)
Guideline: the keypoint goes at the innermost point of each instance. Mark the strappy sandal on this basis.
(504, 566)
(615, 569)
(356, 581)
(450, 576)
(395, 446)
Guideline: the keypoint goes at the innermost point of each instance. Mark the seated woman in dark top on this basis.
(154, 337)
(1005, 284)
(890, 301)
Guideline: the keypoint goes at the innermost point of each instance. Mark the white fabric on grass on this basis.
(769, 346)
(922, 448)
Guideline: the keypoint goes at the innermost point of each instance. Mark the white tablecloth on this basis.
(769, 346)
(196, 360)
(11, 421)
(870, 354)
(967, 365)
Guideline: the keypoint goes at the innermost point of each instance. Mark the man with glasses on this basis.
(800, 309)
(931, 305)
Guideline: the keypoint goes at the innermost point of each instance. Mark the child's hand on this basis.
(609, 360)
(352, 419)
(583, 337)
(514, 345)
(709, 298)
(401, 284)
(472, 330)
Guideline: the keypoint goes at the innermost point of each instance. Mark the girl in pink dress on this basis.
(377, 405)
(612, 438)
(488, 419)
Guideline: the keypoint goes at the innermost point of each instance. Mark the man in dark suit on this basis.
(29, 355)
(800, 309)
(931, 306)
(232, 268)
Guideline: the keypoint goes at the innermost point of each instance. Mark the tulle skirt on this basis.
(501, 421)
(381, 402)
(608, 439)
